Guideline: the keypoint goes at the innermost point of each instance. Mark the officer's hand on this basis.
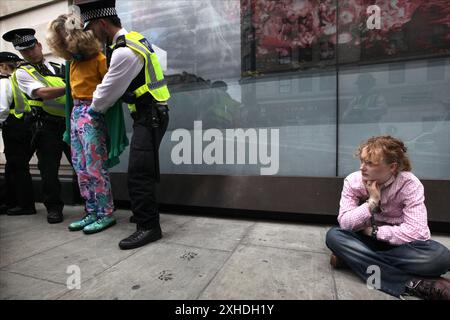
(94, 113)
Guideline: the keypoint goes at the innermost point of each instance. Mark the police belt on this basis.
(38, 113)
(146, 106)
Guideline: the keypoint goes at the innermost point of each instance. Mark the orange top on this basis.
(85, 75)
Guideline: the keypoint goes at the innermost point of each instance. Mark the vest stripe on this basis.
(32, 71)
(20, 102)
(54, 106)
(151, 70)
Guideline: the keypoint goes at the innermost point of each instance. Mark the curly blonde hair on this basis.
(65, 37)
(386, 149)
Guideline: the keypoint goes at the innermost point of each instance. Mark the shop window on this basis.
(435, 70)
(285, 86)
(305, 84)
(396, 73)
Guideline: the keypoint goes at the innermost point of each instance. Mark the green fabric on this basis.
(117, 135)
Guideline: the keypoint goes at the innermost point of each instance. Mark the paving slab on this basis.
(91, 253)
(15, 286)
(158, 271)
(32, 242)
(211, 233)
(289, 236)
(255, 272)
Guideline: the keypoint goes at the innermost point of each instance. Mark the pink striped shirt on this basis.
(403, 218)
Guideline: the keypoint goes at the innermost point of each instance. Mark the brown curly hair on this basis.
(65, 38)
(386, 149)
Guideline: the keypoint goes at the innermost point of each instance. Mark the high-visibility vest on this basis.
(20, 103)
(152, 81)
(55, 106)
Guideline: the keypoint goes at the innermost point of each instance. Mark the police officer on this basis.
(135, 75)
(17, 198)
(42, 83)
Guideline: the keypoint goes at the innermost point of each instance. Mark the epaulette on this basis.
(54, 64)
(24, 64)
(121, 41)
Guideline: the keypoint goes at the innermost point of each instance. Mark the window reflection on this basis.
(273, 64)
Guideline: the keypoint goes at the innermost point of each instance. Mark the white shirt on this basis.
(125, 65)
(6, 98)
(28, 84)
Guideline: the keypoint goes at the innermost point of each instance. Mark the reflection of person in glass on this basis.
(222, 110)
(368, 105)
(383, 223)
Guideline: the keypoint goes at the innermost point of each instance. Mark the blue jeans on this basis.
(398, 264)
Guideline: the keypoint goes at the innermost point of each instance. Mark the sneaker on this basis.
(429, 289)
(100, 225)
(80, 224)
(337, 263)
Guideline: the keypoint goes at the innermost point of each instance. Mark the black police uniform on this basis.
(47, 133)
(17, 191)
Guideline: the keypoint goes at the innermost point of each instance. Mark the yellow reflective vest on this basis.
(154, 82)
(20, 102)
(55, 106)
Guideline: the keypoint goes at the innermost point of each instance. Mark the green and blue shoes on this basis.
(100, 225)
(87, 220)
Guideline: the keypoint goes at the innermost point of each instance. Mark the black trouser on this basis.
(143, 166)
(18, 183)
(49, 146)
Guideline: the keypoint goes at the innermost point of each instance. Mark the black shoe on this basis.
(141, 237)
(132, 219)
(18, 211)
(54, 217)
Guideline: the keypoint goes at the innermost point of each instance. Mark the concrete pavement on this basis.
(198, 258)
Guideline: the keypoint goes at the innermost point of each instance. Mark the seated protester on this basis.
(383, 223)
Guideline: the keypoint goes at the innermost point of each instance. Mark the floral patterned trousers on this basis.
(88, 135)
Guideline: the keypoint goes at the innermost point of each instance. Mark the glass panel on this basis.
(416, 110)
(271, 65)
(304, 119)
(224, 75)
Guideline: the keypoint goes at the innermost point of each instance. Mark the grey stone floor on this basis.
(198, 258)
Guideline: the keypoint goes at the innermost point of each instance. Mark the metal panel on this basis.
(305, 195)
